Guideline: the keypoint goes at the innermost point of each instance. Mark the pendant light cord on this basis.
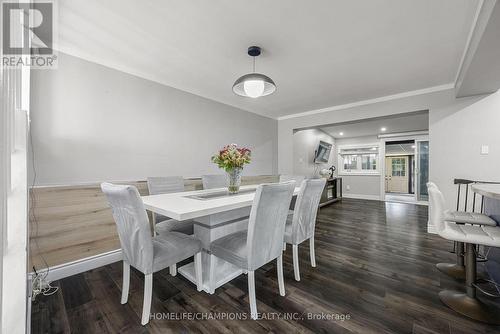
(253, 64)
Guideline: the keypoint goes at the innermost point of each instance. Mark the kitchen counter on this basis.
(487, 190)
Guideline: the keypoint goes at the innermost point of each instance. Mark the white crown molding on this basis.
(428, 90)
(468, 42)
(480, 21)
(404, 134)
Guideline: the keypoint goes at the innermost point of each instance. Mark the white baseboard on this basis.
(79, 266)
(359, 196)
(431, 228)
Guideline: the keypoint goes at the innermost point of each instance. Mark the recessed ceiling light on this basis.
(374, 148)
(341, 133)
(383, 129)
(413, 146)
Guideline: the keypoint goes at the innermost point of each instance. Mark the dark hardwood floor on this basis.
(375, 266)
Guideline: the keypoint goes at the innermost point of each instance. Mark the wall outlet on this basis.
(348, 187)
(485, 149)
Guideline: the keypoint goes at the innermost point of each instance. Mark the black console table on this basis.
(332, 192)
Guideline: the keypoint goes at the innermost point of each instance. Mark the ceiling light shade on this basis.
(254, 84)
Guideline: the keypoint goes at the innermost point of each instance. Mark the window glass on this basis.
(350, 162)
(398, 167)
(359, 159)
(369, 162)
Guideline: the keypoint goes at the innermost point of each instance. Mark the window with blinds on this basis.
(359, 159)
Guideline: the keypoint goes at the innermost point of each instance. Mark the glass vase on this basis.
(234, 180)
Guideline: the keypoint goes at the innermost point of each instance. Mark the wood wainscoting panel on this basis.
(70, 223)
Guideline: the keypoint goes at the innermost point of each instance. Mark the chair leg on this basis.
(126, 282)
(295, 249)
(148, 291)
(211, 274)
(311, 251)
(173, 269)
(284, 246)
(197, 271)
(251, 295)
(281, 282)
(455, 270)
(153, 215)
(467, 303)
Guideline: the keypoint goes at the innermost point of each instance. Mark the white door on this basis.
(396, 174)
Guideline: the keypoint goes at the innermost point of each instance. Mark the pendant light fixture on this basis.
(254, 84)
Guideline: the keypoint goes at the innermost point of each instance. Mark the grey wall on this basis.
(305, 142)
(457, 129)
(360, 186)
(392, 107)
(91, 123)
(456, 134)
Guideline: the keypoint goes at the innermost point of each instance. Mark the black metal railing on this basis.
(464, 204)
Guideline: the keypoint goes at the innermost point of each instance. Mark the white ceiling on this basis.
(320, 53)
(412, 122)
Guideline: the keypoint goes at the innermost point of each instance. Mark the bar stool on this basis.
(457, 270)
(465, 303)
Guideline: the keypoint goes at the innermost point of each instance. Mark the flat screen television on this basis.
(322, 153)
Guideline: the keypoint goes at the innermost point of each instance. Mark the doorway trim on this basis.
(383, 139)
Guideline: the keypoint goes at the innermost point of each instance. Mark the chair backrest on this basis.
(436, 208)
(165, 184)
(306, 209)
(215, 181)
(297, 178)
(266, 225)
(431, 184)
(132, 224)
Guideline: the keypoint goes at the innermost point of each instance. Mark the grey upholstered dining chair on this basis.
(166, 185)
(298, 181)
(162, 224)
(142, 251)
(215, 181)
(297, 178)
(263, 240)
(300, 225)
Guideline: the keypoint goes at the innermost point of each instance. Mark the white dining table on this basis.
(215, 213)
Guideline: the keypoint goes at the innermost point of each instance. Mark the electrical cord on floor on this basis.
(39, 284)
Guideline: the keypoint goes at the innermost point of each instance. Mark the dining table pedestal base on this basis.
(208, 229)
